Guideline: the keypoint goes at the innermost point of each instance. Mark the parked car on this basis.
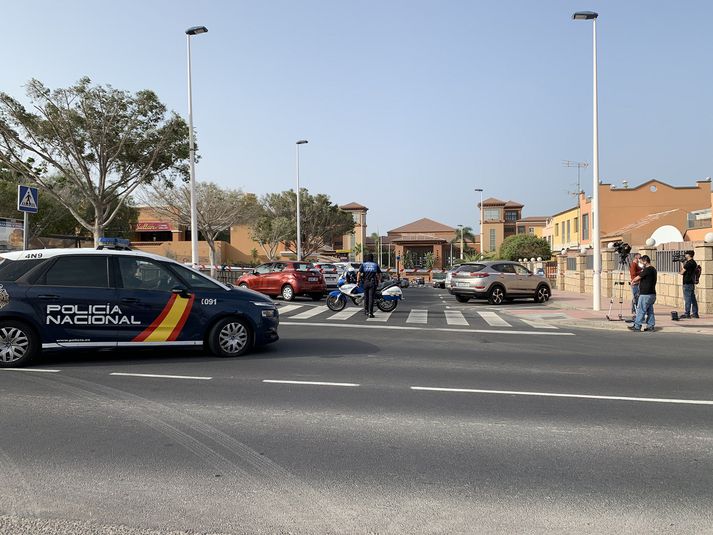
(329, 272)
(439, 279)
(53, 299)
(449, 275)
(404, 282)
(498, 281)
(287, 279)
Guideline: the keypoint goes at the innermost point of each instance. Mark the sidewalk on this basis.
(577, 312)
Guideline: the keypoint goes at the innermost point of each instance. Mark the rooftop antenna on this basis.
(579, 166)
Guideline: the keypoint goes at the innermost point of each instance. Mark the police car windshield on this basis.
(11, 270)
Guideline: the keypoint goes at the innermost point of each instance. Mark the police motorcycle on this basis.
(388, 295)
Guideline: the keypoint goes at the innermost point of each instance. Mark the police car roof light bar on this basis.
(118, 244)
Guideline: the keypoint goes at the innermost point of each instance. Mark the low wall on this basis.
(669, 286)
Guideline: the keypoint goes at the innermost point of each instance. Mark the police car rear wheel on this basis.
(230, 337)
(18, 344)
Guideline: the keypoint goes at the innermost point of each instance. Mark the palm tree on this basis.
(468, 236)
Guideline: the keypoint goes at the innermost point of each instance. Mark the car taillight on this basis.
(479, 275)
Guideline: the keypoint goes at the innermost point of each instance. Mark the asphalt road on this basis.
(355, 426)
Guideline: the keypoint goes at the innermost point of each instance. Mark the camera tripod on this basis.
(622, 267)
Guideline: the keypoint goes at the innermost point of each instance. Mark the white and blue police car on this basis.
(112, 297)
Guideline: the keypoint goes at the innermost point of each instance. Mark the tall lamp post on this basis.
(194, 30)
(481, 222)
(596, 242)
(461, 241)
(299, 233)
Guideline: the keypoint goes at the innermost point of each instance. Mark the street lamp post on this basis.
(481, 222)
(299, 233)
(596, 242)
(461, 241)
(194, 30)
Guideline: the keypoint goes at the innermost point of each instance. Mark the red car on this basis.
(287, 279)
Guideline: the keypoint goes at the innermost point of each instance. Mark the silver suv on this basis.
(498, 281)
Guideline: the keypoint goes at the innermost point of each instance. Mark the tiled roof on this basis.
(513, 204)
(423, 226)
(353, 206)
(492, 201)
(640, 223)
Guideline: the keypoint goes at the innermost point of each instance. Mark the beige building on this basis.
(353, 245)
(499, 221)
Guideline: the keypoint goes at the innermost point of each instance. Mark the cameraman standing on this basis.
(634, 271)
(647, 297)
(688, 270)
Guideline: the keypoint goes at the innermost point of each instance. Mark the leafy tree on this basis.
(254, 257)
(357, 250)
(409, 261)
(524, 246)
(321, 222)
(429, 259)
(91, 146)
(216, 209)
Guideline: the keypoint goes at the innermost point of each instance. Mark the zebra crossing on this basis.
(412, 317)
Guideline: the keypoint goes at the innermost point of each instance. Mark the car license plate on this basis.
(462, 284)
(311, 279)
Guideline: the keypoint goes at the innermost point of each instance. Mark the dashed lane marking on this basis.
(417, 316)
(492, 319)
(441, 329)
(156, 376)
(455, 317)
(556, 395)
(316, 383)
(39, 370)
(307, 314)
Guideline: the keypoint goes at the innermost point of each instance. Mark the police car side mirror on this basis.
(180, 291)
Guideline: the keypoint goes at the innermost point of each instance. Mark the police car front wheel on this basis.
(230, 337)
(18, 344)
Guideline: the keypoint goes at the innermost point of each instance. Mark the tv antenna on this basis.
(579, 166)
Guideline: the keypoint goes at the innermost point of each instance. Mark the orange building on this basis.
(500, 221)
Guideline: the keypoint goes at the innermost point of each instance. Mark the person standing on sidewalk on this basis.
(369, 279)
(634, 271)
(688, 270)
(647, 297)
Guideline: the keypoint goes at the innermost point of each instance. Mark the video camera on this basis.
(678, 256)
(622, 248)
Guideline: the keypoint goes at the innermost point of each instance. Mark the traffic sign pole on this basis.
(25, 231)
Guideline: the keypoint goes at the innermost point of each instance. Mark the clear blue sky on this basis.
(408, 105)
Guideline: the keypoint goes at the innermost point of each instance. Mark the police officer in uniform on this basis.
(369, 279)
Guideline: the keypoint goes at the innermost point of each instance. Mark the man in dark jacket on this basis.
(369, 279)
(647, 296)
(688, 270)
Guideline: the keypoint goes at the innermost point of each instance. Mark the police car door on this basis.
(157, 302)
(76, 302)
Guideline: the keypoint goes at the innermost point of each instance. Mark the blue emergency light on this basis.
(114, 243)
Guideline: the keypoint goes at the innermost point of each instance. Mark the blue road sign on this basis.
(27, 199)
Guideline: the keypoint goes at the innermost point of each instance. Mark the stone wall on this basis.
(669, 290)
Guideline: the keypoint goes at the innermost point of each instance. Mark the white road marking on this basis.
(492, 319)
(455, 317)
(380, 316)
(345, 314)
(162, 376)
(39, 370)
(288, 308)
(538, 323)
(441, 329)
(318, 383)
(417, 316)
(554, 395)
(310, 313)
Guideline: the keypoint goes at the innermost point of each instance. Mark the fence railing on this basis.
(665, 263)
(226, 276)
(571, 263)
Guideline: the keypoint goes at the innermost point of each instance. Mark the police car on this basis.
(114, 297)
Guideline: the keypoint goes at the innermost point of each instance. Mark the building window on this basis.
(491, 214)
(557, 229)
(511, 215)
(521, 229)
(576, 224)
(585, 226)
(531, 230)
(568, 235)
(492, 239)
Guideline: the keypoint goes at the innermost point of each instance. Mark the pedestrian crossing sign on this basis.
(27, 199)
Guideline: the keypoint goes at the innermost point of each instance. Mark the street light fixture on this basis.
(299, 234)
(481, 222)
(194, 30)
(461, 241)
(596, 241)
